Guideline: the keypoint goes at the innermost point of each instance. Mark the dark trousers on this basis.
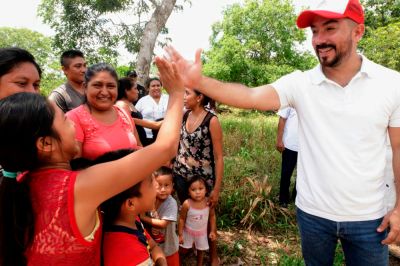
(289, 161)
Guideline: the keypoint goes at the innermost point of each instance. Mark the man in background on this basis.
(287, 144)
(71, 94)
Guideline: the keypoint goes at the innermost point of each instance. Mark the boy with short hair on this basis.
(163, 220)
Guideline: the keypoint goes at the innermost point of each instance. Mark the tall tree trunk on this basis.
(152, 29)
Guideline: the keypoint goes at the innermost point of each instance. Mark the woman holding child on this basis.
(200, 152)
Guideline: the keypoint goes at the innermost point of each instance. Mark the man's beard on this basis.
(339, 55)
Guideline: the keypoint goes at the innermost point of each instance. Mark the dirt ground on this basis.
(239, 247)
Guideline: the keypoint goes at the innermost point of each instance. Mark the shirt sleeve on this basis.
(79, 134)
(284, 112)
(57, 98)
(139, 105)
(286, 88)
(169, 211)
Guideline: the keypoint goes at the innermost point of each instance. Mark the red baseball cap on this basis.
(334, 9)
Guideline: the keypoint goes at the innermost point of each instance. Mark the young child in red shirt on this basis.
(125, 242)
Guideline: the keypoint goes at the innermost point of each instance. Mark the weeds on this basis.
(252, 171)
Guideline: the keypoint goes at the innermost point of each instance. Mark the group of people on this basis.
(57, 190)
(59, 209)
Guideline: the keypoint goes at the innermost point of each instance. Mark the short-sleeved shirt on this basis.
(98, 138)
(342, 134)
(126, 246)
(66, 97)
(168, 211)
(151, 110)
(290, 135)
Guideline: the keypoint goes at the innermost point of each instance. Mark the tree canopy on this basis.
(380, 13)
(382, 45)
(256, 43)
(99, 28)
(382, 38)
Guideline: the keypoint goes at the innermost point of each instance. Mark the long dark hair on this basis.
(206, 102)
(12, 57)
(124, 84)
(112, 206)
(24, 117)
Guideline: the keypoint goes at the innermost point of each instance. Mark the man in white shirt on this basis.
(287, 144)
(345, 106)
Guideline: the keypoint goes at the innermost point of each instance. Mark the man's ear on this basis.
(359, 32)
(45, 144)
(64, 69)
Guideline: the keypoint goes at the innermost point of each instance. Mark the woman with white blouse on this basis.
(153, 106)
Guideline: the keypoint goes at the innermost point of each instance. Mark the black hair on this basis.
(206, 101)
(94, 70)
(69, 54)
(149, 80)
(24, 117)
(97, 68)
(124, 84)
(200, 179)
(112, 206)
(12, 57)
(131, 74)
(163, 170)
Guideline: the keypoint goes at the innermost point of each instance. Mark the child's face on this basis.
(68, 145)
(147, 200)
(165, 186)
(197, 191)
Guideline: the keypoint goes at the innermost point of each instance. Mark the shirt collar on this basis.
(367, 69)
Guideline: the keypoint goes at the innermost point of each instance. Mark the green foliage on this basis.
(35, 42)
(80, 25)
(121, 70)
(379, 13)
(252, 168)
(382, 46)
(256, 43)
(95, 27)
(40, 47)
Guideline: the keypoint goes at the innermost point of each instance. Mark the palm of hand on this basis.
(191, 73)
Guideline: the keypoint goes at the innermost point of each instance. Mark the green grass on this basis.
(251, 185)
(252, 170)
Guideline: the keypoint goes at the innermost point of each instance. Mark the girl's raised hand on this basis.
(171, 78)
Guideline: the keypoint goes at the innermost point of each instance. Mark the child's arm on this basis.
(100, 182)
(213, 224)
(157, 255)
(182, 220)
(157, 223)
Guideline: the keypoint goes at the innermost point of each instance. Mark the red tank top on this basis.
(57, 240)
